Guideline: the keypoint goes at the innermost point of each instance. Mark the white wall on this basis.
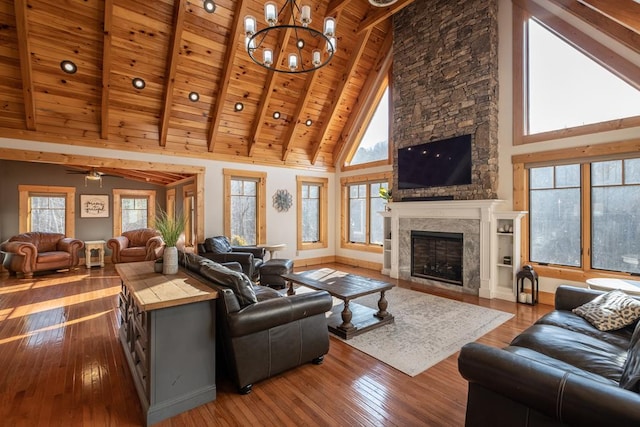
(281, 226)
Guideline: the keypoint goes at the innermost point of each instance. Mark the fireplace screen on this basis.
(437, 256)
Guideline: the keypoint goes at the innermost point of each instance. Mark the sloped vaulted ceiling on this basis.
(179, 48)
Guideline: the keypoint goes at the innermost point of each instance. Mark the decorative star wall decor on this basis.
(282, 200)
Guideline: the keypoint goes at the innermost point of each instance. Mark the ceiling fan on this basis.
(92, 175)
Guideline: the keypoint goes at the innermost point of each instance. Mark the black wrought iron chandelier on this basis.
(313, 49)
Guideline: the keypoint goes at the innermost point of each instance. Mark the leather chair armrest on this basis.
(278, 311)
(116, 244)
(155, 246)
(20, 248)
(69, 244)
(254, 250)
(201, 248)
(570, 297)
(560, 395)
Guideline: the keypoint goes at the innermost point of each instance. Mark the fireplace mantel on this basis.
(484, 211)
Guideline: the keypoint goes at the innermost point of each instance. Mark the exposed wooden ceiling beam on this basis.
(223, 85)
(263, 105)
(336, 6)
(295, 119)
(174, 54)
(106, 68)
(356, 121)
(379, 15)
(624, 12)
(348, 73)
(609, 26)
(24, 49)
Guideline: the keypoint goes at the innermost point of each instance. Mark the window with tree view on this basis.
(374, 145)
(615, 217)
(310, 213)
(244, 208)
(47, 213)
(134, 213)
(365, 223)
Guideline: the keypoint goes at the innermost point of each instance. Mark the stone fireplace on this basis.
(437, 255)
(471, 219)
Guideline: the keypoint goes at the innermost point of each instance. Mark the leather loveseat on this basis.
(220, 250)
(143, 244)
(27, 253)
(260, 332)
(560, 371)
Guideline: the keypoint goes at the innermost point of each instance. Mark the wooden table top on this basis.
(153, 291)
(337, 283)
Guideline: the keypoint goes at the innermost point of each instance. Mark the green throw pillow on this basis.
(613, 310)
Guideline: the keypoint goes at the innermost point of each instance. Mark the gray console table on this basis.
(167, 330)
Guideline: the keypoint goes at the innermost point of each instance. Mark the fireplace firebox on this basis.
(437, 256)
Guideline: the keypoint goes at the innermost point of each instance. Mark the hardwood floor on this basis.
(61, 364)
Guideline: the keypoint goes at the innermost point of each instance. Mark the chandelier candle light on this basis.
(307, 55)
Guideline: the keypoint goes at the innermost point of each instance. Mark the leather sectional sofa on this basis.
(220, 250)
(560, 371)
(260, 332)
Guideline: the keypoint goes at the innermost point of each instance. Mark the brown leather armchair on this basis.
(143, 244)
(27, 253)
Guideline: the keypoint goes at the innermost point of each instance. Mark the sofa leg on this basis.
(246, 389)
(318, 360)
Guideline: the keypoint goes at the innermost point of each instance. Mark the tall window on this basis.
(362, 201)
(133, 209)
(245, 213)
(312, 212)
(583, 216)
(555, 220)
(567, 83)
(47, 209)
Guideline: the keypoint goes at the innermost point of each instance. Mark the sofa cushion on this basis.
(238, 282)
(567, 320)
(630, 378)
(613, 310)
(582, 351)
(217, 245)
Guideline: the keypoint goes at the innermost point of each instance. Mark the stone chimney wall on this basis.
(445, 84)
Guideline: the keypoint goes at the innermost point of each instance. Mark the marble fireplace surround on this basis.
(472, 218)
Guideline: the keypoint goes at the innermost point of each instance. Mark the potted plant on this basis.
(171, 229)
(386, 195)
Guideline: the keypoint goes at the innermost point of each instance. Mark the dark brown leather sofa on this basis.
(560, 371)
(143, 244)
(220, 250)
(260, 332)
(27, 253)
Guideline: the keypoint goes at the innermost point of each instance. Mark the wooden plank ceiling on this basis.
(179, 48)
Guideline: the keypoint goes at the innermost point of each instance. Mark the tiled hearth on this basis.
(473, 218)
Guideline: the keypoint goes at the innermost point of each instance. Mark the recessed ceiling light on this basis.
(209, 6)
(239, 106)
(138, 83)
(68, 67)
(194, 96)
(300, 43)
(276, 115)
(309, 122)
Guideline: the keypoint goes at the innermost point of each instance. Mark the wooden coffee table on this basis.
(348, 319)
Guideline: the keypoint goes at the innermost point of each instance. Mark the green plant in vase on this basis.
(170, 228)
(385, 193)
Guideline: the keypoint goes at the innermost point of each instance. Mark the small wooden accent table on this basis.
(348, 319)
(94, 245)
(167, 331)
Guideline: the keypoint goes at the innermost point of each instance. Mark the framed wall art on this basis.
(94, 206)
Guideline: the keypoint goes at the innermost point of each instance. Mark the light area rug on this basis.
(427, 329)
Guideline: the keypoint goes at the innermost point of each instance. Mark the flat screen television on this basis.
(435, 164)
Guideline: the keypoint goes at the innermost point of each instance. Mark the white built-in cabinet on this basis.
(386, 242)
(506, 256)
